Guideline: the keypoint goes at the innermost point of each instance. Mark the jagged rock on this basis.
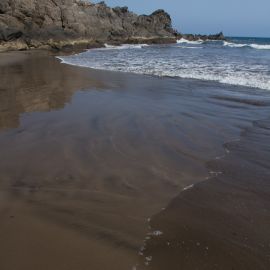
(9, 34)
(57, 23)
(192, 37)
(218, 36)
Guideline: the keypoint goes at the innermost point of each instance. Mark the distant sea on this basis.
(243, 61)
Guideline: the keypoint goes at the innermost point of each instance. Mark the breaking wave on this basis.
(182, 40)
(213, 63)
(123, 47)
(239, 45)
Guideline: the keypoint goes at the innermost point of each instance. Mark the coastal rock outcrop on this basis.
(191, 37)
(26, 24)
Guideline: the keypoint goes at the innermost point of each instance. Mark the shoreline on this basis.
(119, 153)
(68, 46)
(61, 57)
(237, 206)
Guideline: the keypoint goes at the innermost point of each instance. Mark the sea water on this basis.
(236, 61)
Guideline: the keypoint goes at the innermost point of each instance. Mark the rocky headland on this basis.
(191, 37)
(64, 24)
(27, 24)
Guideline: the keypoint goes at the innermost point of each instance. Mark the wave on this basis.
(174, 61)
(188, 72)
(189, 47)
(123, 46)
(183, 40)
(231, 78)
(260, 46)
(227, 44)
(254, 46)
(234, 45)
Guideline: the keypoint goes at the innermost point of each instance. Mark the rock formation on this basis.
(192, 37)
(60, 24)
(26, 24)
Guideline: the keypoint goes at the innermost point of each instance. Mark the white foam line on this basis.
(148, 260)
(182, 40)
(239, 45)
(234, 45)
(155, 233)
(255, 76)
(189, 47)
(122, 47)
(188, 187)
(260, 46)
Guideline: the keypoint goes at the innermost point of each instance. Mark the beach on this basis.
(109, 170)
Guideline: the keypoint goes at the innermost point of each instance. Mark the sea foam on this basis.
(213, 63)
(183, 40)
(239, 45)
(260, 46)
(124, 46)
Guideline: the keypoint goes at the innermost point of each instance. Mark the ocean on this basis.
(237, 61)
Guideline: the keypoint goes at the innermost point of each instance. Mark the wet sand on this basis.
(104, 170)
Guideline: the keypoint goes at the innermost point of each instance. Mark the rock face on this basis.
(192, 37)
(26, 24)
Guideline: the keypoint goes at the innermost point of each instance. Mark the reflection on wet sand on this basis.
(79, 169)
(87, 157)
(36, 84)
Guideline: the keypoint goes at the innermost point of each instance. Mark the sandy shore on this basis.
(103, 170)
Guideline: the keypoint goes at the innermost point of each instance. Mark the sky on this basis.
(233, 17)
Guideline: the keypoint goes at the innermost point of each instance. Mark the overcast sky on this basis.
(233, 17)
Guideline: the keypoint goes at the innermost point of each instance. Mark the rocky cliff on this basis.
(26, 24)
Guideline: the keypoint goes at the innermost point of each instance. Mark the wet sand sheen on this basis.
(88, 156)
(224, 221)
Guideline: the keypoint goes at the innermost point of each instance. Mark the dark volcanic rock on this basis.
(28, 24)
(218, 36)
(8, 34)
(192, 37)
